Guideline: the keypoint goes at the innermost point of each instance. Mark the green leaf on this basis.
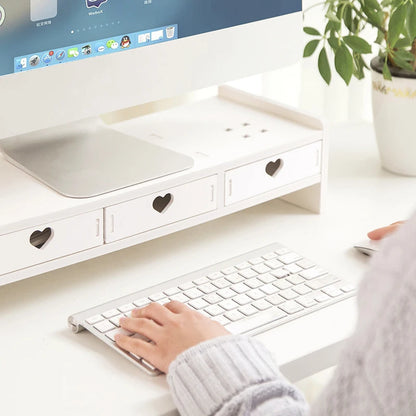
(348, 18)
(380, 37)
(359, 64)
(311, 31)
(333, 42)
(411, 20)
(403, 43)
(396, 25)
(372, 4)
(310, 47)
(344, 63)
(357, 44)
(375, 19)
(323, 66)
(386, 71)
(403, 60)
(330, 15)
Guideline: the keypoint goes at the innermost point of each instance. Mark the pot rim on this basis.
(377, 64)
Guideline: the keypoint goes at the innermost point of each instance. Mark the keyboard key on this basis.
(234, 278)
(110, 313)
(280, 273)
(193, 293)
(104, 326)
(234, 315)
(347, 288)
(288, 294)
(322, 282)
(240, 288)
(295, 279)
(291, 307)
(307, 301)
(269, 289)
(115, 320)
(207, 288)
(94, 319)
(267, 278)
(201, 280)
(229, 270)
(283, 284)
(256, 260)
(198, 304)
(171, 291)
(275, 299)
(281, 251)
(289, 258)
(221, 319)
(293, 268)
(243, 265)
(313, 273)
(127, 307)
(148, 365)
(242, 299)
(262, 304)
(248, 310)
(221, 283)
(261, 268)
(141, 302)
(117, 331)
(253, 283)
(305, 264)
(214, 310)
(213, 298)
(163, 301)
(269, 256)
(255, 321)
(157, 296)
(185, 286)
(302, 289)
(332, 291)
(274, 264)
(215, 275)
(180, 297)
(248, 273)
(228, 304)
(226, 293)
(256, 294)
(322, 297)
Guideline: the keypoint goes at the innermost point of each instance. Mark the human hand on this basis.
(173, 328)
(380, 233)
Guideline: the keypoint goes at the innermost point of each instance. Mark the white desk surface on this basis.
(47, 370)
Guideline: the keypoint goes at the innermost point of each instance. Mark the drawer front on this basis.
(268, 174)
(162, 208)
(46, 242)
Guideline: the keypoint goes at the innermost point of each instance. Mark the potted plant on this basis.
(393, 70)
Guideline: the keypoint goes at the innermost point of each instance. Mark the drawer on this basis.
(268, 174)
(46, 242)
(159, 209)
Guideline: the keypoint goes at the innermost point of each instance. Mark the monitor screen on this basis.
(40, 33)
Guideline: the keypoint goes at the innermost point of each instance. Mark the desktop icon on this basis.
(144, 38)
(100, 48)
(86, 50)
(73, 53)
(94, 3)
(34, 60)
(157, 35)
(2, 15)
(23, 63)
(46, 58)
(60, 55)
(170, 32)
(125, 42)
(109, 43)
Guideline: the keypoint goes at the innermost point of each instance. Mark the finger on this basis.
(176, 307)
(154, 311)
(380, 233)
(136, 346)
(143, 326)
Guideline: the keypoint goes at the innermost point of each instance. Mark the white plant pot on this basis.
(394, 110)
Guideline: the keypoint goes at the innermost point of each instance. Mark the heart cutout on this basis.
(273, 168)
(39, 238)
(162, 203)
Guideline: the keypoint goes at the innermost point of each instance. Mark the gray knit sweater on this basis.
(376, 375)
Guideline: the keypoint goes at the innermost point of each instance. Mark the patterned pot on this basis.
(394, 110)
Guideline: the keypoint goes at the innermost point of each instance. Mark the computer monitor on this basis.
(63, 63)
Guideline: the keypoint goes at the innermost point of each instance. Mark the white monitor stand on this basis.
(86, 159)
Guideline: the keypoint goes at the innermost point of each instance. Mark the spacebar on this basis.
(254, 322)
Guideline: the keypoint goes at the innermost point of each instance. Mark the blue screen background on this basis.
(73, 23)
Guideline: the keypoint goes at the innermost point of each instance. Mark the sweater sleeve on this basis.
(232, 375)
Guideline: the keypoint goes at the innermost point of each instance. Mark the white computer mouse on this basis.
(368, 247)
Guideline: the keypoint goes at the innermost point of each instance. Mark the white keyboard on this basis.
(250, 294)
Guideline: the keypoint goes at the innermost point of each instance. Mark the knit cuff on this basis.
(206, 376)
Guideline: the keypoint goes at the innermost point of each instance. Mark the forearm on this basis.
(232, 376)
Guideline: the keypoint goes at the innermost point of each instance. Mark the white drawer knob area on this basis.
(47, 242)
(159, 209)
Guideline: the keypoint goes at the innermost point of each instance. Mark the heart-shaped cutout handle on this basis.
(39, 238)
(162, 203)
(273, 168)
